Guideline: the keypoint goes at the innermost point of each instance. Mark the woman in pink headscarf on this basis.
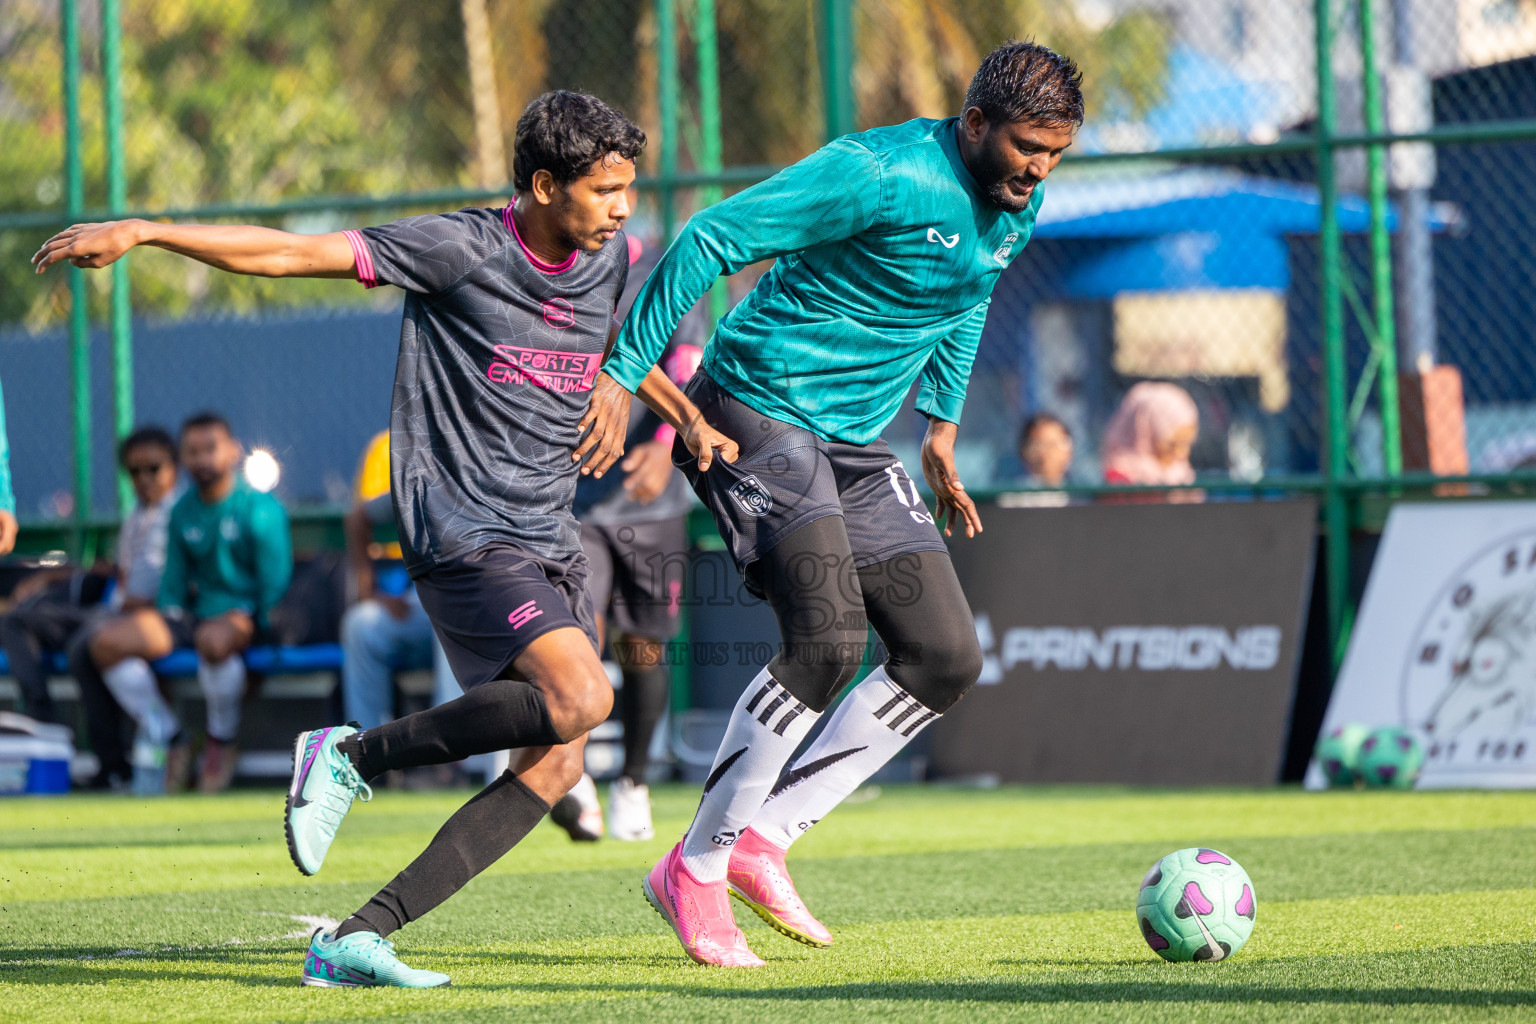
(1148, 439)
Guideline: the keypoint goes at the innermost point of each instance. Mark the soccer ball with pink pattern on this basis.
(1196, 904)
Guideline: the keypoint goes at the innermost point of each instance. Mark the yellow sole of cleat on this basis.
(776, 924)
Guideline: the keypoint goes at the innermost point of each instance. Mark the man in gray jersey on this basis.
(635, 535)
(508, 314)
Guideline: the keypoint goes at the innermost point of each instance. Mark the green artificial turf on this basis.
(947, 904)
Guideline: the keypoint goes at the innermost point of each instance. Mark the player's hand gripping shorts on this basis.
(786, 477)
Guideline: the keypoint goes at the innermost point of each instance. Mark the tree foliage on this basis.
(254, 101)
(917, 56)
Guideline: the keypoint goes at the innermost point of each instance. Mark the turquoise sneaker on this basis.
(323, 788)
(362, 958)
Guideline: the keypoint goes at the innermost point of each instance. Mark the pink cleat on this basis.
(759, 879)
(699, 912)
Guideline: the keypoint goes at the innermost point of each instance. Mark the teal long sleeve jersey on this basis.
(7, 496)
(233, 555)
(887, 254)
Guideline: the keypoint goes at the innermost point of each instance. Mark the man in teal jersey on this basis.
(888, 244)
(228, 561)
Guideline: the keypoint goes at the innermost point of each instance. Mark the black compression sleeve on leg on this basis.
(499, 715)
(916, 605)
(25, 652)
(642, 702)
(478, 835)
(809, 581)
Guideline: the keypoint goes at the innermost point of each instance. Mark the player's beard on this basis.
(206, 478)
(993, 173)
(568, 238)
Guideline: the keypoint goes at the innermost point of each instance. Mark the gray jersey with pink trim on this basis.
(498, 351)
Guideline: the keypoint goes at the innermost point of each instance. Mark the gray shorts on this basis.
(637, 575)
(787, 477)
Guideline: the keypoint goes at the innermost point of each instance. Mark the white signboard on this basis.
(1445, 643)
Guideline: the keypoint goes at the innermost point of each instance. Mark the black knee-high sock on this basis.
(499, 715)
(642, 702)
(478, 835)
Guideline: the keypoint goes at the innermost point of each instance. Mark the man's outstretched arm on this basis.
(243, 249)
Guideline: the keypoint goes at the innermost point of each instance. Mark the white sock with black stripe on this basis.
(869, 727)
(766, 726)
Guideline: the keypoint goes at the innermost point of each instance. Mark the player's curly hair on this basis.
(1024, 82)
(565, 133)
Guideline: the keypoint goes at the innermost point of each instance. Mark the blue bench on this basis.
(265, 659)
(283, 669)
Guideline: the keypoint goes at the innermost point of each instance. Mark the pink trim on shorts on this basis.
(540, 265)
(362, 259)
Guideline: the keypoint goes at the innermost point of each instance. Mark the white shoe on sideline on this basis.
(579, 812)
(629, 811)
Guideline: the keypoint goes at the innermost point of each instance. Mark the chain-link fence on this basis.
(1333, 260)
(1182, 243)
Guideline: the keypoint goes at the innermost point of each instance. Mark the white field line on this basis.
(308, 923)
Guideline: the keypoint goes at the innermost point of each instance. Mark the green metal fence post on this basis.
(1335, 509)
(667, 91)
(117, 202)
(837, 67)
(79, 299)
(1385, 339)
(707, 50)
(667, 96)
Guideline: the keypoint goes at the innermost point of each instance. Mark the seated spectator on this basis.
(1041, 464)
(228, 561)
(54, 606)
(39, 617)
(1149, 437)
(1045, 448)
(386, 631)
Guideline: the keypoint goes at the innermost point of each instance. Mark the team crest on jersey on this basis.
(559, 314)
(752, 496)
(1001, 254)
